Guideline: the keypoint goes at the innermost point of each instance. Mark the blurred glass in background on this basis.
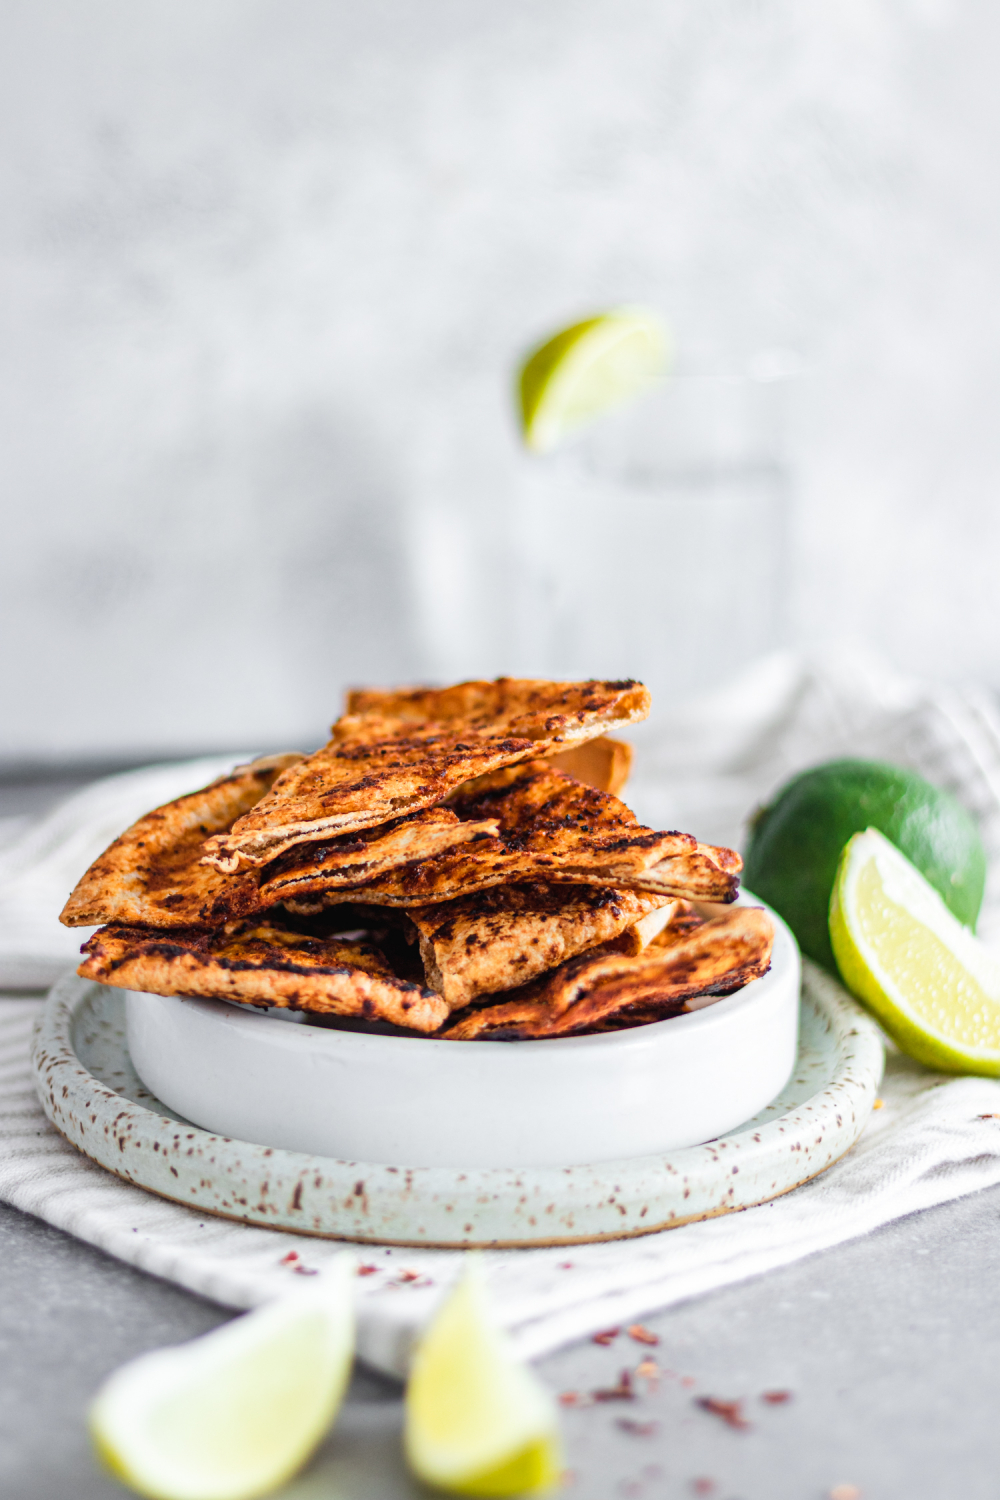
(656, 543)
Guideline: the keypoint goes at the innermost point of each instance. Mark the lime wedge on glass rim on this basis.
(478, 1422)
(933, 986)
(237, 1412)
(587, 369)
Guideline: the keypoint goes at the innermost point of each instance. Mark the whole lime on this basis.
(796, 841)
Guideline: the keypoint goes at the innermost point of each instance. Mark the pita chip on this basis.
(507, 935)
(551, 828)
(696, 963)
(398, 752)
(151, 875)
(262, 964)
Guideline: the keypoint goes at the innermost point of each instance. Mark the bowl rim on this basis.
(302, 1037)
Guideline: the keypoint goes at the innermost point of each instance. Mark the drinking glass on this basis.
(656, 545)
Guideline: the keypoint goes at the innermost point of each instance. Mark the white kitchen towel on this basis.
(703, 768)
(933, 1140)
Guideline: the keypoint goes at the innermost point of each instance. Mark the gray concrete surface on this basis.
(890, 1348)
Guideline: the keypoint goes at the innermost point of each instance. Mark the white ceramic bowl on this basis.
(418, 1102)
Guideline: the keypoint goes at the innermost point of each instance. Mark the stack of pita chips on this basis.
(454, 862)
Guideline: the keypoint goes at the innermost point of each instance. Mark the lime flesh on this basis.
(796, 841)
(237, 1412)
(477, 1420)
(933, 986)
(585, 370)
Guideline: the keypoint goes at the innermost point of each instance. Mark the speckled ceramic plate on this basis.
(90, 1092)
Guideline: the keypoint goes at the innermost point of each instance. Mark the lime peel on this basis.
(587, 369)
(933, 986)
(237, 1412)
(478, 1422)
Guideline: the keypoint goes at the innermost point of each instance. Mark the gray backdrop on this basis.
(267, 268)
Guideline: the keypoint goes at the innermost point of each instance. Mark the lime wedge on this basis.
(477, 1421)
(237, 1412)
(588, 369)
(934, 987)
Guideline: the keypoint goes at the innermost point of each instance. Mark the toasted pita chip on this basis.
(151, 875)
(503, 937)
(699, 962)
(552, 828)
(262, 964)
(400, 752)
(604, 763)
(350, 860)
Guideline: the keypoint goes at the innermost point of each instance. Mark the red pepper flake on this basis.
(565, 1265)
(638, 1429)
(606, 1337)
(731, 1412)
(988, 1117)
(642, 1335)
(776, 1398)
(703, 1485)
(289, 1259)
(845, 1492)
(301, 1270)
(648, 1368)
(574, 1398)
(623, 1391)
(408, 1276)
(367, 1270)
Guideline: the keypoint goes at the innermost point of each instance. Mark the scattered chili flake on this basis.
(623, 1391)
(565, 1265)
(703, 1485)
(638, 1429)
(776, 1398)
(287, 1260)
(648, 1368)
(642, 1335)
(301, 1270)
(574, 1398)
(731, 1412)
(367, 1270)
(408, 1276)
(988, 1117)
(845, 1492)
(607, 1336)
